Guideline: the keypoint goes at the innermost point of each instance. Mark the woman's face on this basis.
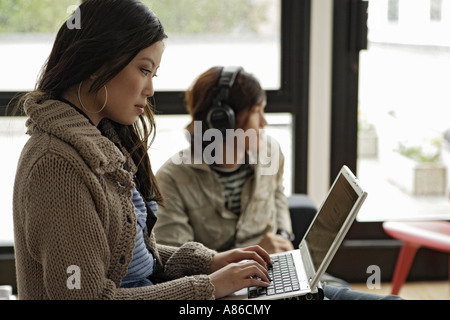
(129, 90)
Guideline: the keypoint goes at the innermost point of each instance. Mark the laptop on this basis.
(297, 273)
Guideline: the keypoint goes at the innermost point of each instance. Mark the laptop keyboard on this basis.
(283, 275)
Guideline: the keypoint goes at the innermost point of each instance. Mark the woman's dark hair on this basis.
(245, 93)
(111, 34)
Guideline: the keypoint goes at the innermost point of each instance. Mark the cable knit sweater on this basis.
(72, 208)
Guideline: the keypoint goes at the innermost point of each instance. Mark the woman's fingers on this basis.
(259, 254)
(255, 253)
(237, 276)
(256, 272)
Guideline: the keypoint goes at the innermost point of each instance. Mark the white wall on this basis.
(319, 137)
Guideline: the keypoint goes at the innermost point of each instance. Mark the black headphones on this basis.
(221, 115)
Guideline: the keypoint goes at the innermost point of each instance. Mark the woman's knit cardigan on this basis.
(74, 222)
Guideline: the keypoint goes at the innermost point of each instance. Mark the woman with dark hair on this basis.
(85, 196)
(227, 198)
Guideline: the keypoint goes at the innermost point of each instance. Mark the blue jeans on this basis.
(340, 293)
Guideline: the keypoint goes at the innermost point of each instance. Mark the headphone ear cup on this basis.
(221, 117)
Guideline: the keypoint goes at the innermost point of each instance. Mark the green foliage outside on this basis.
(33, 16)
(208, 16)
(178, 16)
(427, 152)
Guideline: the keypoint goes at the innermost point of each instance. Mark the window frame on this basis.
(366, 242)
(292, 97)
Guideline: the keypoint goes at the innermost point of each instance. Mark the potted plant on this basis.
(367, 138)
(417, 167)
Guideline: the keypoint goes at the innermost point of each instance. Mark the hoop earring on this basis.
(82, 105)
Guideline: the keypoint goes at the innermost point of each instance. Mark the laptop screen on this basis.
(332, 215)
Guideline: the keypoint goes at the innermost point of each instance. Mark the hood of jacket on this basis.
(99, 146)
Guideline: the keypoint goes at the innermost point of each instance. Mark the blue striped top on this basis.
(233, 181)
(142, 263)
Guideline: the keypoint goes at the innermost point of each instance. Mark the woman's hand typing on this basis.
(236, 269)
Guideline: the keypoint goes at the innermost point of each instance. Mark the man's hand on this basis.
(274, 243)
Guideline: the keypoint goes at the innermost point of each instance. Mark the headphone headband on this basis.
(228, 76)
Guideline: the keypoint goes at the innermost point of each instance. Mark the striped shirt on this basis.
(142, 263)
(233, 181)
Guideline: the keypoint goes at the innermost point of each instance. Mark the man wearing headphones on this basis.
(228, 199)
(226, 204)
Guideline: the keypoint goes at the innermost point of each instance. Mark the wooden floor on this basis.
(435, 290)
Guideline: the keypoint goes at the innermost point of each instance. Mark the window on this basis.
(232, 32)
(221, 38)
(27, 30)
(198, 39)
(404, 153)
(12, 140)
(403, 70)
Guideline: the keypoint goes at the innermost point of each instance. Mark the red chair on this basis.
(429, 234)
